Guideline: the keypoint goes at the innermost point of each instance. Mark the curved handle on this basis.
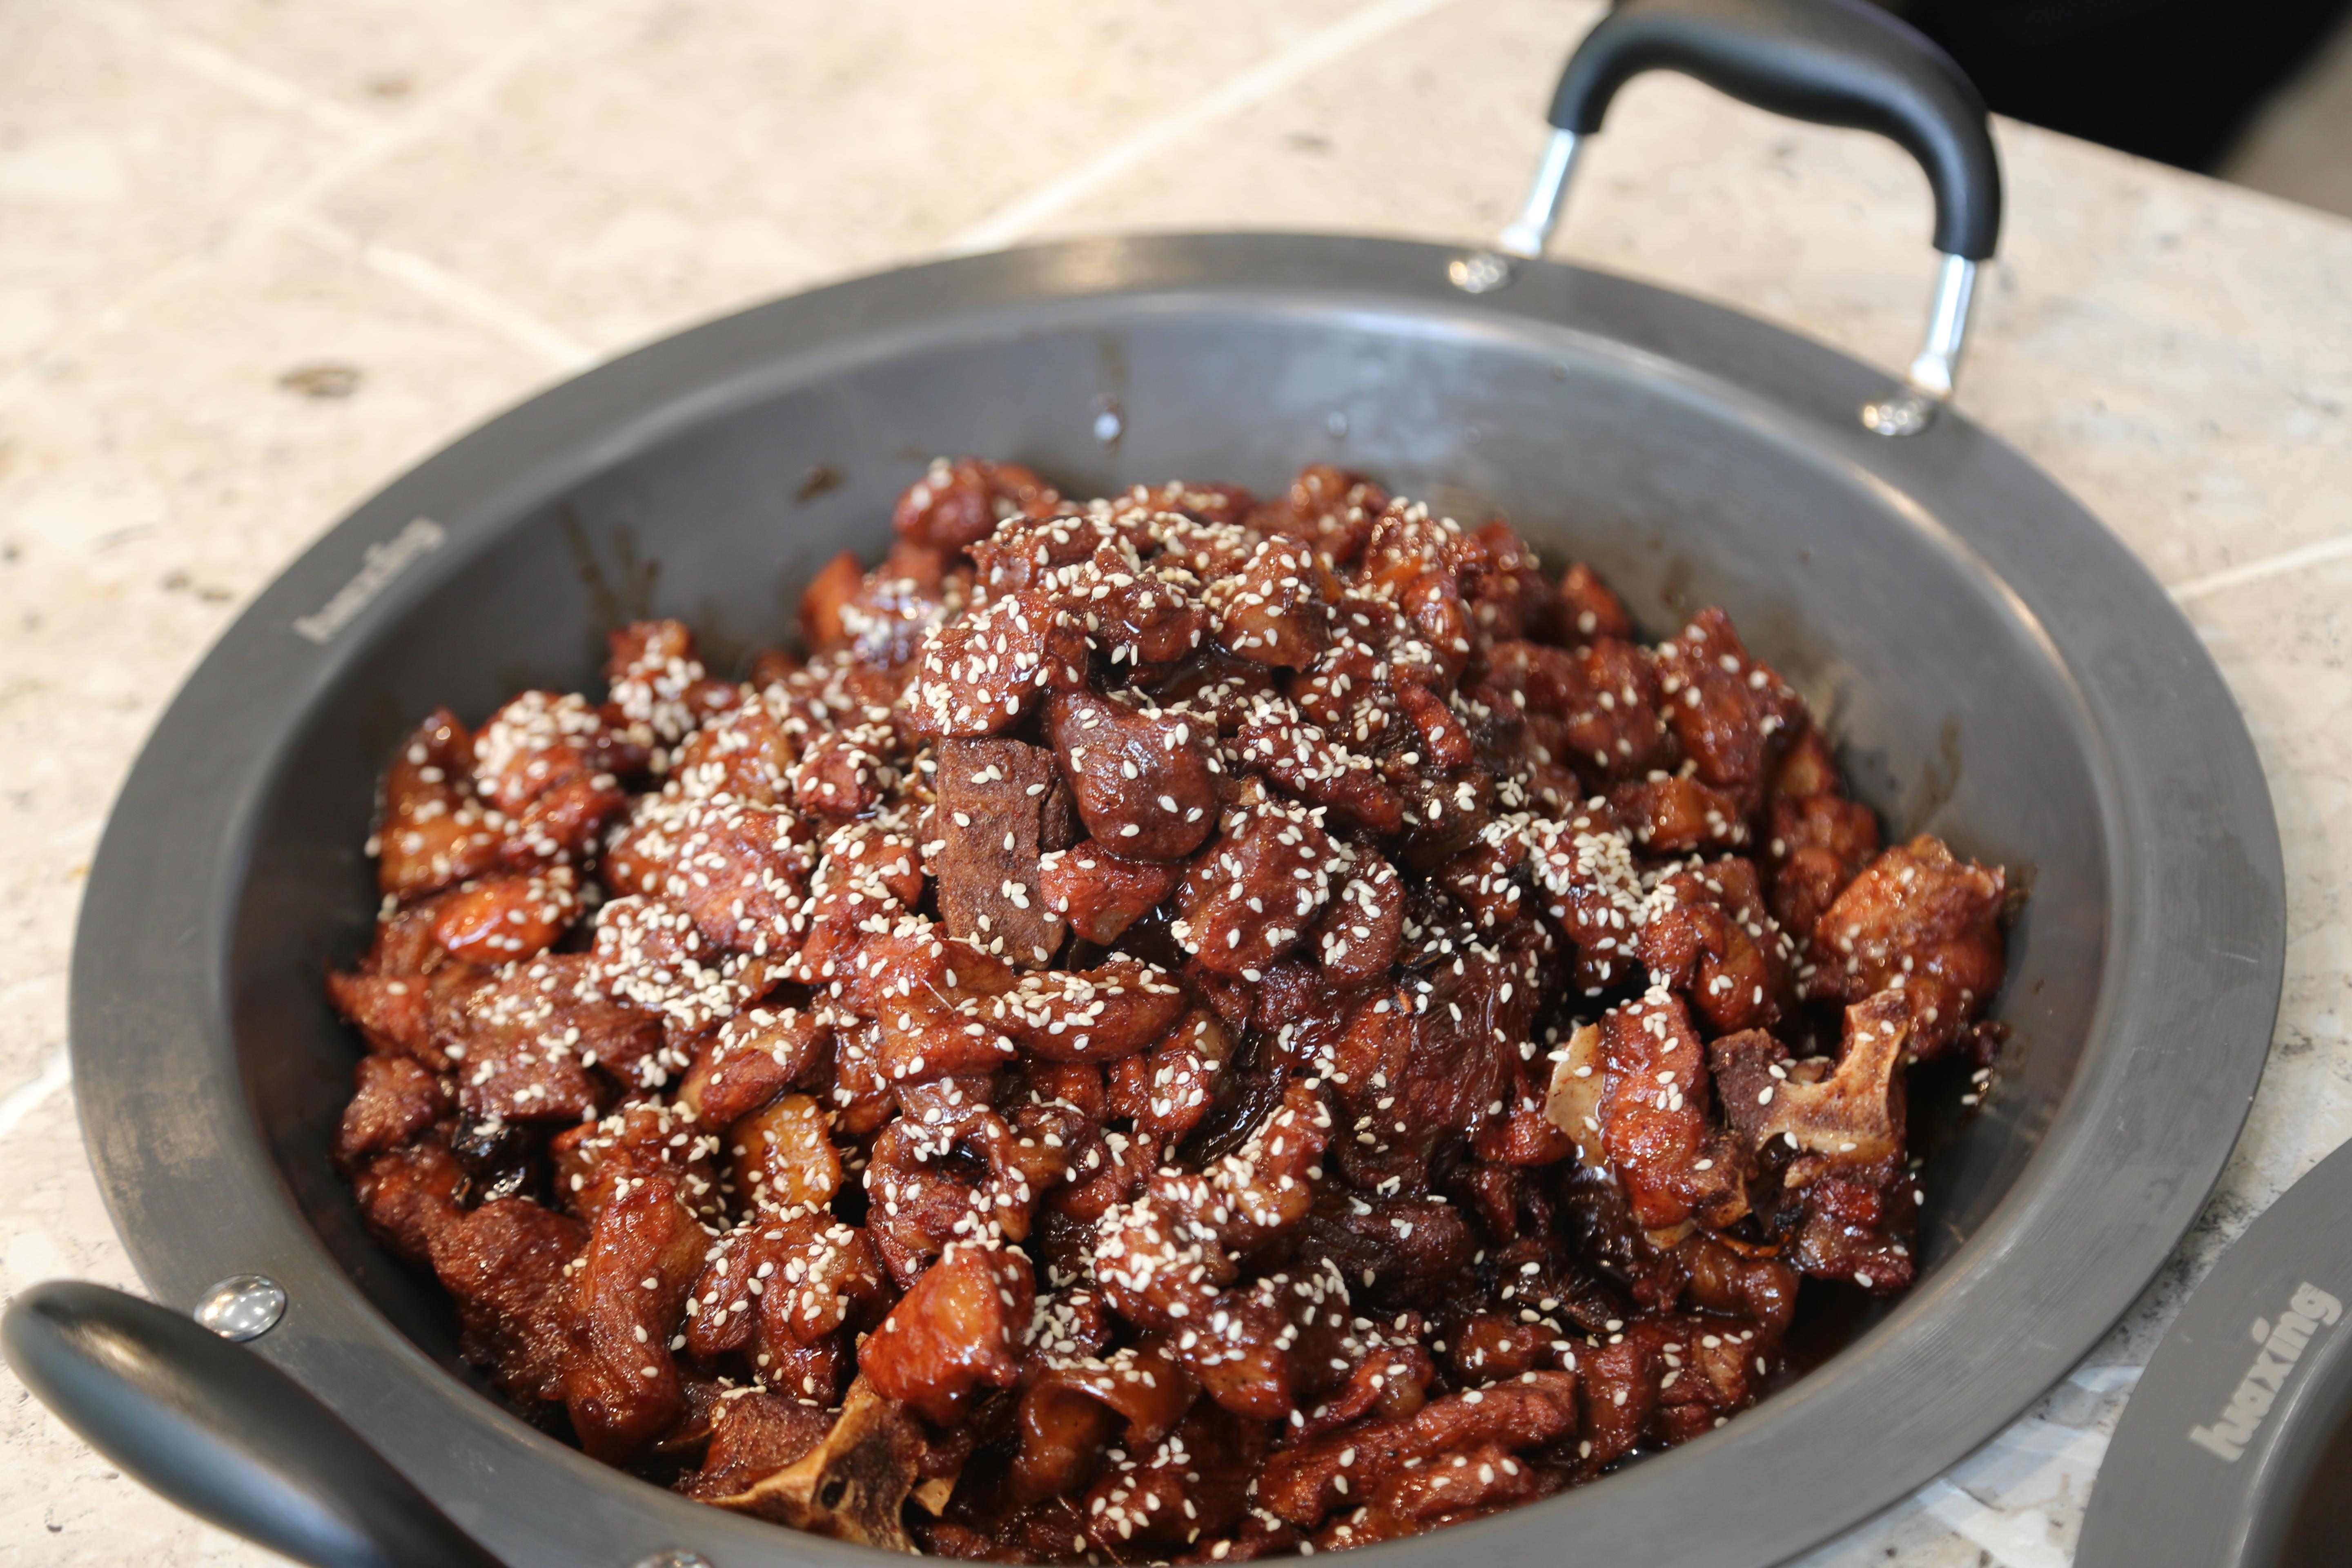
(221, 1433)
(1833, 62)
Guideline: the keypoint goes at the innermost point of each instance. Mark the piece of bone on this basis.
(853, 1485)
(1850, 1118)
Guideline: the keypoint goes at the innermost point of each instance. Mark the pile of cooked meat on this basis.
(1181, 1027)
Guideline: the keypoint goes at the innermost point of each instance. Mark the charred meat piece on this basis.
(1000, 807)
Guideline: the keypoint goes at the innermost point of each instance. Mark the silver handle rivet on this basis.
(1481, 272)
(674, 1559)
(242, 1306)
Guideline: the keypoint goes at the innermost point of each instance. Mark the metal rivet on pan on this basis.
(242, 1306)
(1482, 273)
(1899, 412)
(674, 1559)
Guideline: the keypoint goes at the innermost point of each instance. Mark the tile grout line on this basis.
(35, 1092)
(1155, 136)
(224, 69)
(2318, 553)
(485, 307)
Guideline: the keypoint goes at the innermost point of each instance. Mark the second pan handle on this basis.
(1833, 62)
(221, 1432)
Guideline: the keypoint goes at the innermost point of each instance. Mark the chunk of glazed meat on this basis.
(1707, 934)
(1732, 715)
(1655, 1117)
(982, 674)
(397, 1098)
(1100, 894)
(621, 1383)
(957, 1332)
(1818, 839)
(1142, 776)
(505, 1266)
(1276, 609)
(1920, 920)
(1339, 1470)
(958, 504)
(434, 832)
(1255, 894)
(1176, 1028)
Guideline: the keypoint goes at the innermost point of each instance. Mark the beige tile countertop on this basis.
(257, 257)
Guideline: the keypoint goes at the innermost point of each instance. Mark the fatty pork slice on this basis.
(956, 1335)
(1000, 807)
(621, 1383)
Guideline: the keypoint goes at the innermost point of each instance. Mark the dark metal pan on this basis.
(1998, 667)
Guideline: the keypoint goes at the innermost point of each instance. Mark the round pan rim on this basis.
(2194, 952)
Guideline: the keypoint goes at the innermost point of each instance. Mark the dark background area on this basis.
(2177, 81)
(2255, 91)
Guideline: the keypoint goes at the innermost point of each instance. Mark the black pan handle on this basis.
(1834, 62)
(221, 1432)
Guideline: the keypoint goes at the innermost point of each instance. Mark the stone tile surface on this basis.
(115, 162)
(255, 258)
(688, 155)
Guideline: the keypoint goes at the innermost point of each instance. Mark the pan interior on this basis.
(1950, 711)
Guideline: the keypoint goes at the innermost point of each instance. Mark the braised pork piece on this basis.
(1185, 1026)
